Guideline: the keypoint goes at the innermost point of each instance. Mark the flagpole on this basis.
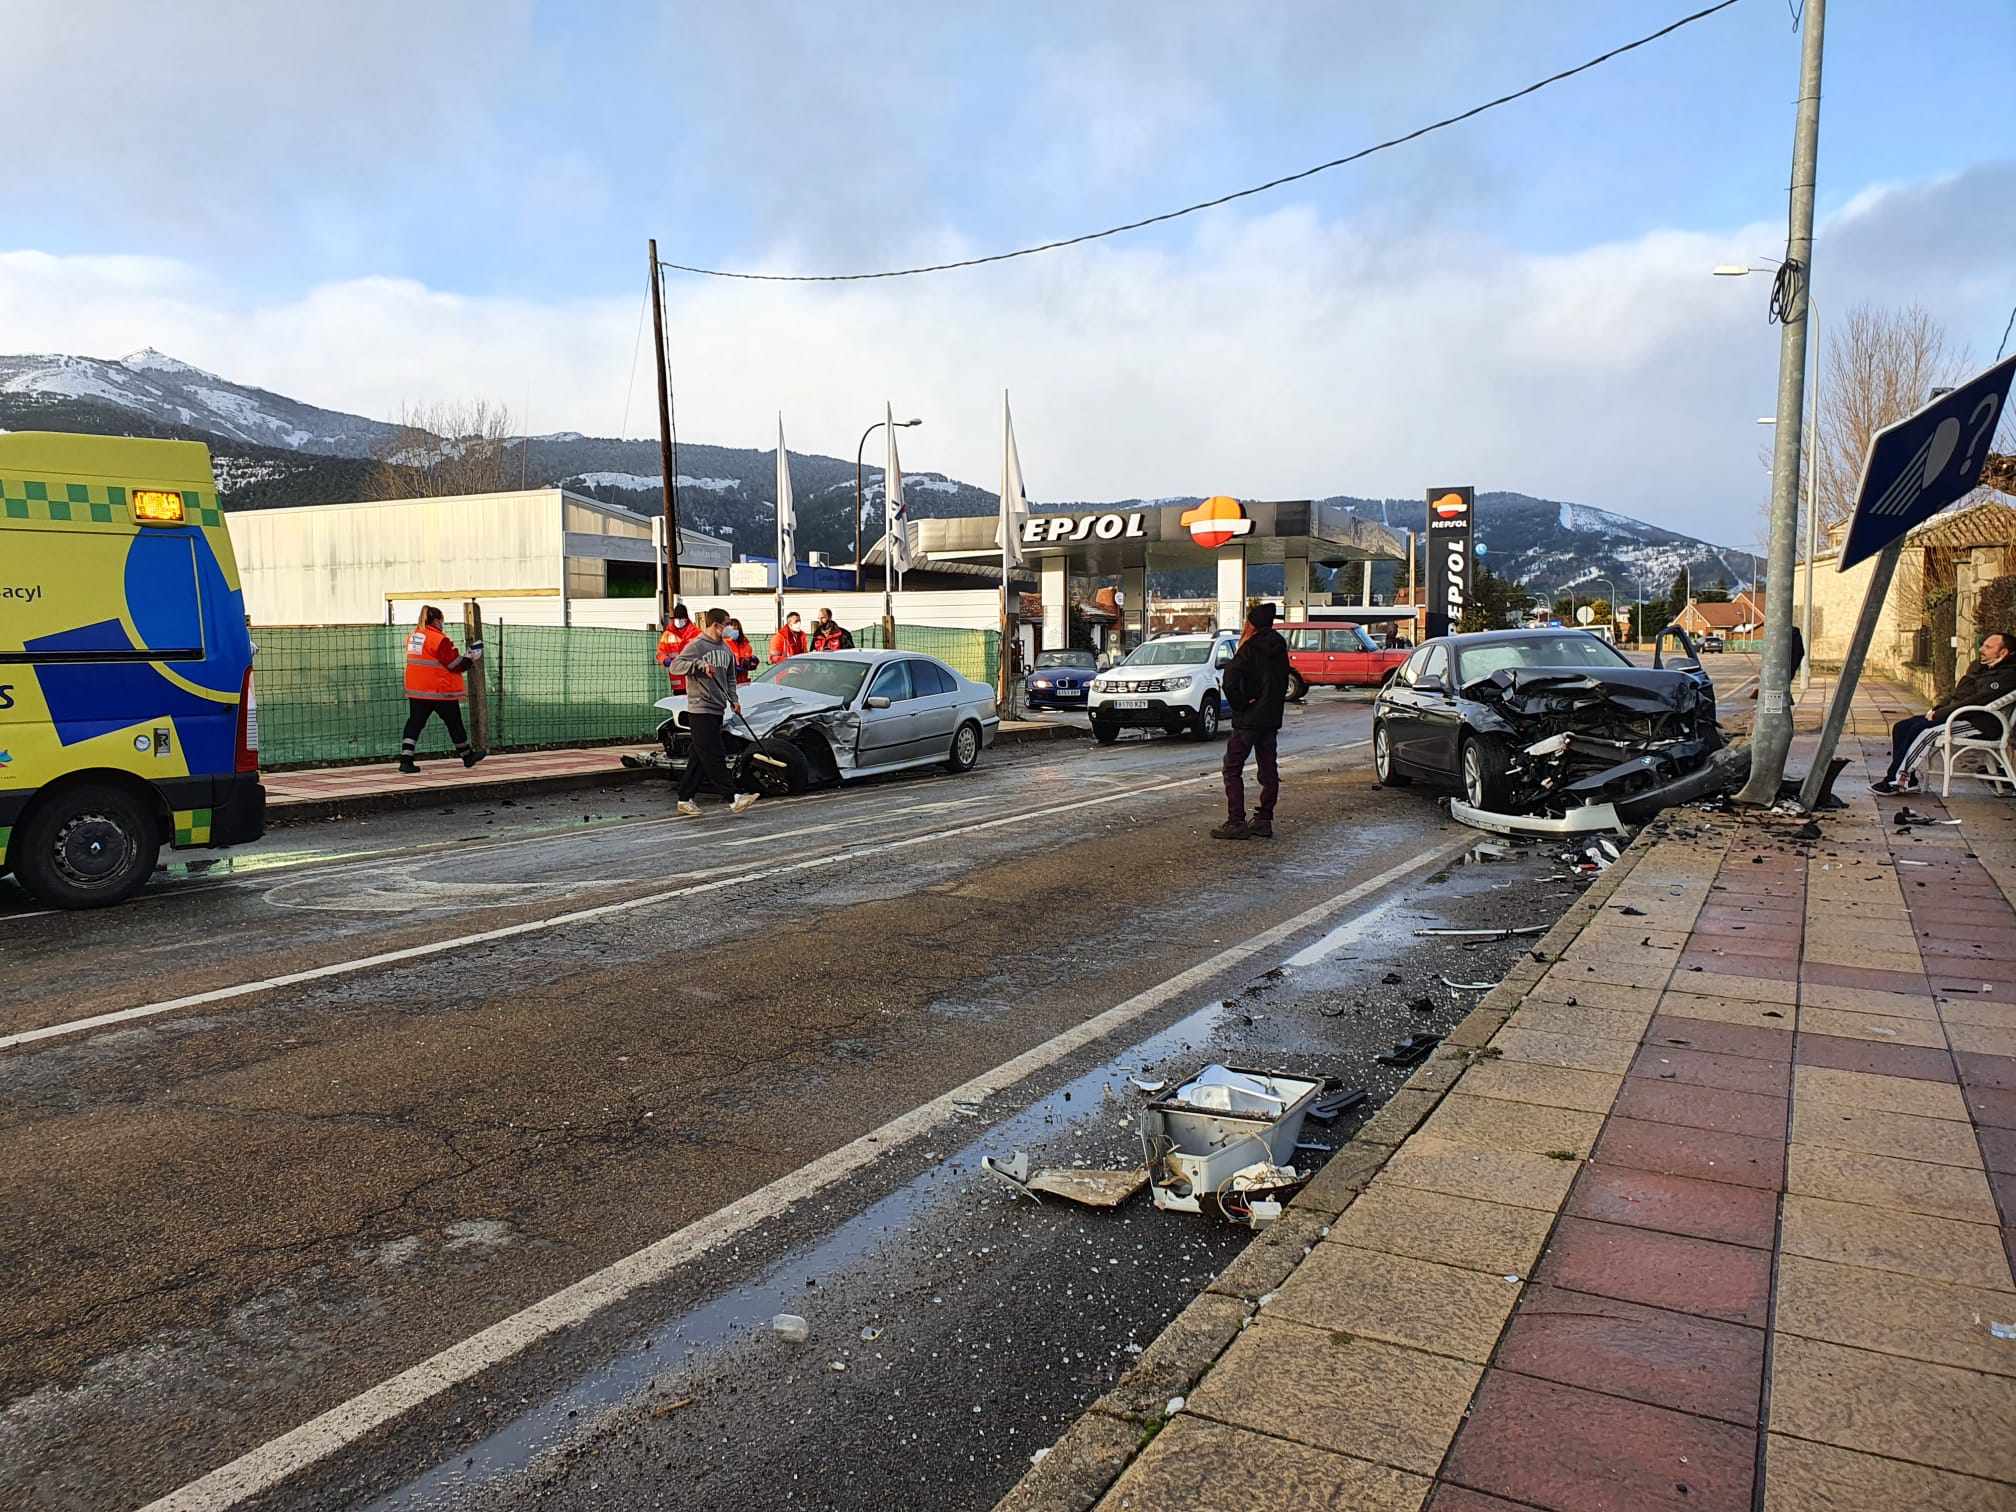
(1005, 697)
(888, 517)
(783, 477)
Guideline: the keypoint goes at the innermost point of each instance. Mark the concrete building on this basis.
(1959, 551)
(539, 556)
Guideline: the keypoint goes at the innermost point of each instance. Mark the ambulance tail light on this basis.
(156, 506)
(248, 726)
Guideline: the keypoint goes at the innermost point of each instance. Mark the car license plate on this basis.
(1130, 703)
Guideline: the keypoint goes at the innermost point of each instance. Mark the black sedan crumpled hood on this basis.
(1635, 737)
(1537, 690)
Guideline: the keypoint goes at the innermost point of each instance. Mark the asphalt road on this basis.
(292, 1125)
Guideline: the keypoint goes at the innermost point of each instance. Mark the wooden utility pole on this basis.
(671, 595)
(478, 681)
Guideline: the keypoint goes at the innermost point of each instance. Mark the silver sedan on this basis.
(832, 716)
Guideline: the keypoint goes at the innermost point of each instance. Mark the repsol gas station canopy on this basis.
(1100, 543)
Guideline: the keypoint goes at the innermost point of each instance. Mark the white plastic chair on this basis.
(1952, 741)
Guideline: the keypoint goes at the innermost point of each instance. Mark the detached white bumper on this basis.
(1589, 819)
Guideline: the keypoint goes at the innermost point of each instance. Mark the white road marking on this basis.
(562, 920)
(278, 1460)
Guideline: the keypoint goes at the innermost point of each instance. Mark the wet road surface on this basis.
(293, 1124)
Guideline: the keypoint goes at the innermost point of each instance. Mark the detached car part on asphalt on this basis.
(832, 716)
(1553, 732)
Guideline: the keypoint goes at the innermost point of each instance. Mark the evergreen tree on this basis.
(1495, 603)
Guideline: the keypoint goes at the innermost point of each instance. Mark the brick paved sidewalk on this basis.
(356, 788)
(1713, 1212)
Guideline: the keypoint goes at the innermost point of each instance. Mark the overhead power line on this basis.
(1223, 199)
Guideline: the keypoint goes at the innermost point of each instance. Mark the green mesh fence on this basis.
(970, 653)
(330, 694)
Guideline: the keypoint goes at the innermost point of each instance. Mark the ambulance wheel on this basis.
(1298, 687)
(86, 847)
(965, 753)
(786, 781)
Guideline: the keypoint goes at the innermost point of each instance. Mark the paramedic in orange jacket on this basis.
(788, 641)
(434, 685)
(678, 635)
(746, 660)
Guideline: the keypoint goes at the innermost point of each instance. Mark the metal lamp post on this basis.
(1613, 603)
(1740, 270)
(859, 448)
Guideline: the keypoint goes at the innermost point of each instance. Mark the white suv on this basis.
(1171, 682)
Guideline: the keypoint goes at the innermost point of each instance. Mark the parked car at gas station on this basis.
(1172, 683)
(1334, 655)
(1060, 680)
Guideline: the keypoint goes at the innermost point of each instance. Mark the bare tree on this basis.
(446, 447)
(1882, 365)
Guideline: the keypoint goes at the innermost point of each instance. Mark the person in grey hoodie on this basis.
(708, 666)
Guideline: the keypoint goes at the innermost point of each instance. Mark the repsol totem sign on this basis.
(1451, 530)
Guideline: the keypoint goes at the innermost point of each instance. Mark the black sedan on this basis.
(1060, 679)
(1546, 723)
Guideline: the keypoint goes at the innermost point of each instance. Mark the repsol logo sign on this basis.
(1050, 530)
(6, 695)
(1451, 531)
(27, 593)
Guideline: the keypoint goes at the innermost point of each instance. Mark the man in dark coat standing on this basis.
(1256, 685)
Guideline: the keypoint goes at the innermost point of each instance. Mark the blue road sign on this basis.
(1918, 466)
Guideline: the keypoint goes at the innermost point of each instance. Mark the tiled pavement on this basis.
(359, 784)
(1718, 1217)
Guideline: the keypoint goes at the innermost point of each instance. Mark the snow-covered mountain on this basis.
(272, 450)
(151, 386)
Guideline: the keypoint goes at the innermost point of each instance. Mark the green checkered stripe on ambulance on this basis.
(96, 503)
(192, 826)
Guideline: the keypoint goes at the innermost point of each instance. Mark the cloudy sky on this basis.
(395, 200)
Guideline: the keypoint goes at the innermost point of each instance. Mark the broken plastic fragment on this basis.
(792, 1327)
(1148, 1086)
(2003, 1330)
(871, 1333)
(1176, 1405)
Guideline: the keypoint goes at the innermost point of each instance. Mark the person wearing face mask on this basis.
(677, 637)
(746, 660)
(789, 640)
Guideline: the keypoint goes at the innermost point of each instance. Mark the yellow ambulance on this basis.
(126, 713)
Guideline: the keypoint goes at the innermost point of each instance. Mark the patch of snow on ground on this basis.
(69, 382)
(936, 485)
(147, 360)
(617, 480)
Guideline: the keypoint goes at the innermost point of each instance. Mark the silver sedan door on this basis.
(936, 697)
(886, 732)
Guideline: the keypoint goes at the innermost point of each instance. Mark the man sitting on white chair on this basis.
(1993, 676)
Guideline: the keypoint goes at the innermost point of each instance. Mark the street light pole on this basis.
(1771, 732)
(900, 425)
(1613, 604)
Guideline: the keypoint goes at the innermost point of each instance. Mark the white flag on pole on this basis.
(1014, 503)
(895, 514)
(787, 516)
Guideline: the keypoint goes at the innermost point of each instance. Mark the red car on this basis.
(1335, 655)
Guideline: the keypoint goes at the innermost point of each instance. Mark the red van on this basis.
(1334, 654)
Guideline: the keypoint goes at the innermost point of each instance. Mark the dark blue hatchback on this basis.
(1060, 679)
